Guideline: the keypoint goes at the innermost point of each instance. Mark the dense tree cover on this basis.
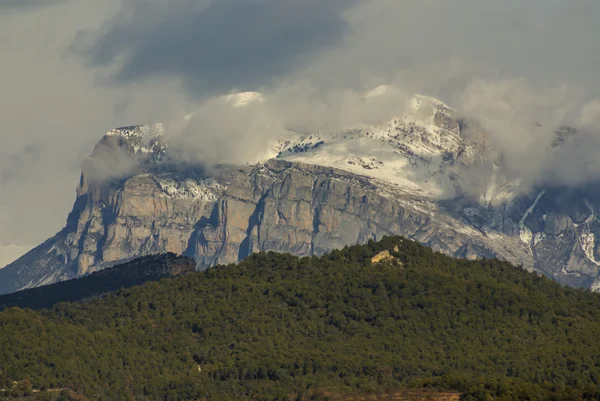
(277, 327)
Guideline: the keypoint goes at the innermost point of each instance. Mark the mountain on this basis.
(101, 283)
(372, 318)
(429, 175)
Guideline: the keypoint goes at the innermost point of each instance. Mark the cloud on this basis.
(215, 45)
(24, 4)
(547, 42)
(434, 47)
(548, 137)
(52, 112)
(520, 123)
(78, 69)
(223, 131)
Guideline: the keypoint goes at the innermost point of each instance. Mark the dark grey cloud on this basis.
(26, 4)
(215, 45)
(549, 42)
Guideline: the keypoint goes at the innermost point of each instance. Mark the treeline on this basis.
(278, 327)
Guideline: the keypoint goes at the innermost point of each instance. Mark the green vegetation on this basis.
(277, 327)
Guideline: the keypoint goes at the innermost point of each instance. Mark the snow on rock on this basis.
(414, 151)
(144, 139)
(595, 287)
(587, 240)
(537, 237)
(204, 190)
(524, 232)
(142, 132)
(411, 151)
(367, 163)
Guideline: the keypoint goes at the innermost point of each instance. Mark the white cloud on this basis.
(52, 112)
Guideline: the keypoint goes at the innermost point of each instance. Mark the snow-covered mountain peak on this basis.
(410, 151)
(422, 101)
(417, 104)
(137, 139)
(138, 132)
(429, 112)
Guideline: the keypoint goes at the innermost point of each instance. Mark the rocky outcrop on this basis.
(387, 258)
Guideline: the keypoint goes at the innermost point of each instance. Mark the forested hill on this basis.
(101, 283)
(278, 327)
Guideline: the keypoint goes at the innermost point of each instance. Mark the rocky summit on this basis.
(412, 176)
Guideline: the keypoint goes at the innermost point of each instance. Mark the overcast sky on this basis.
(71, 70)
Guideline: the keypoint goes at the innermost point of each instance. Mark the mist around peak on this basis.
(500, 134)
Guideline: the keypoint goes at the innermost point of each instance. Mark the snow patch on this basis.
(587, 240)
(524, 232)
(205, 190)
(526, 235)
(145, 139)
(138, 131)
(410, 151)
(537, 237)
(595, 287)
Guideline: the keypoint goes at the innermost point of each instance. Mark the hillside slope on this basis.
(276, 327)
(102, 283)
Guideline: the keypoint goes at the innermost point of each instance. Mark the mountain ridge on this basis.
(303, 209)
(101, 283)
(317, 192)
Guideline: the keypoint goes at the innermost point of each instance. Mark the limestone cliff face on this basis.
(306, 209)
(280, 206)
